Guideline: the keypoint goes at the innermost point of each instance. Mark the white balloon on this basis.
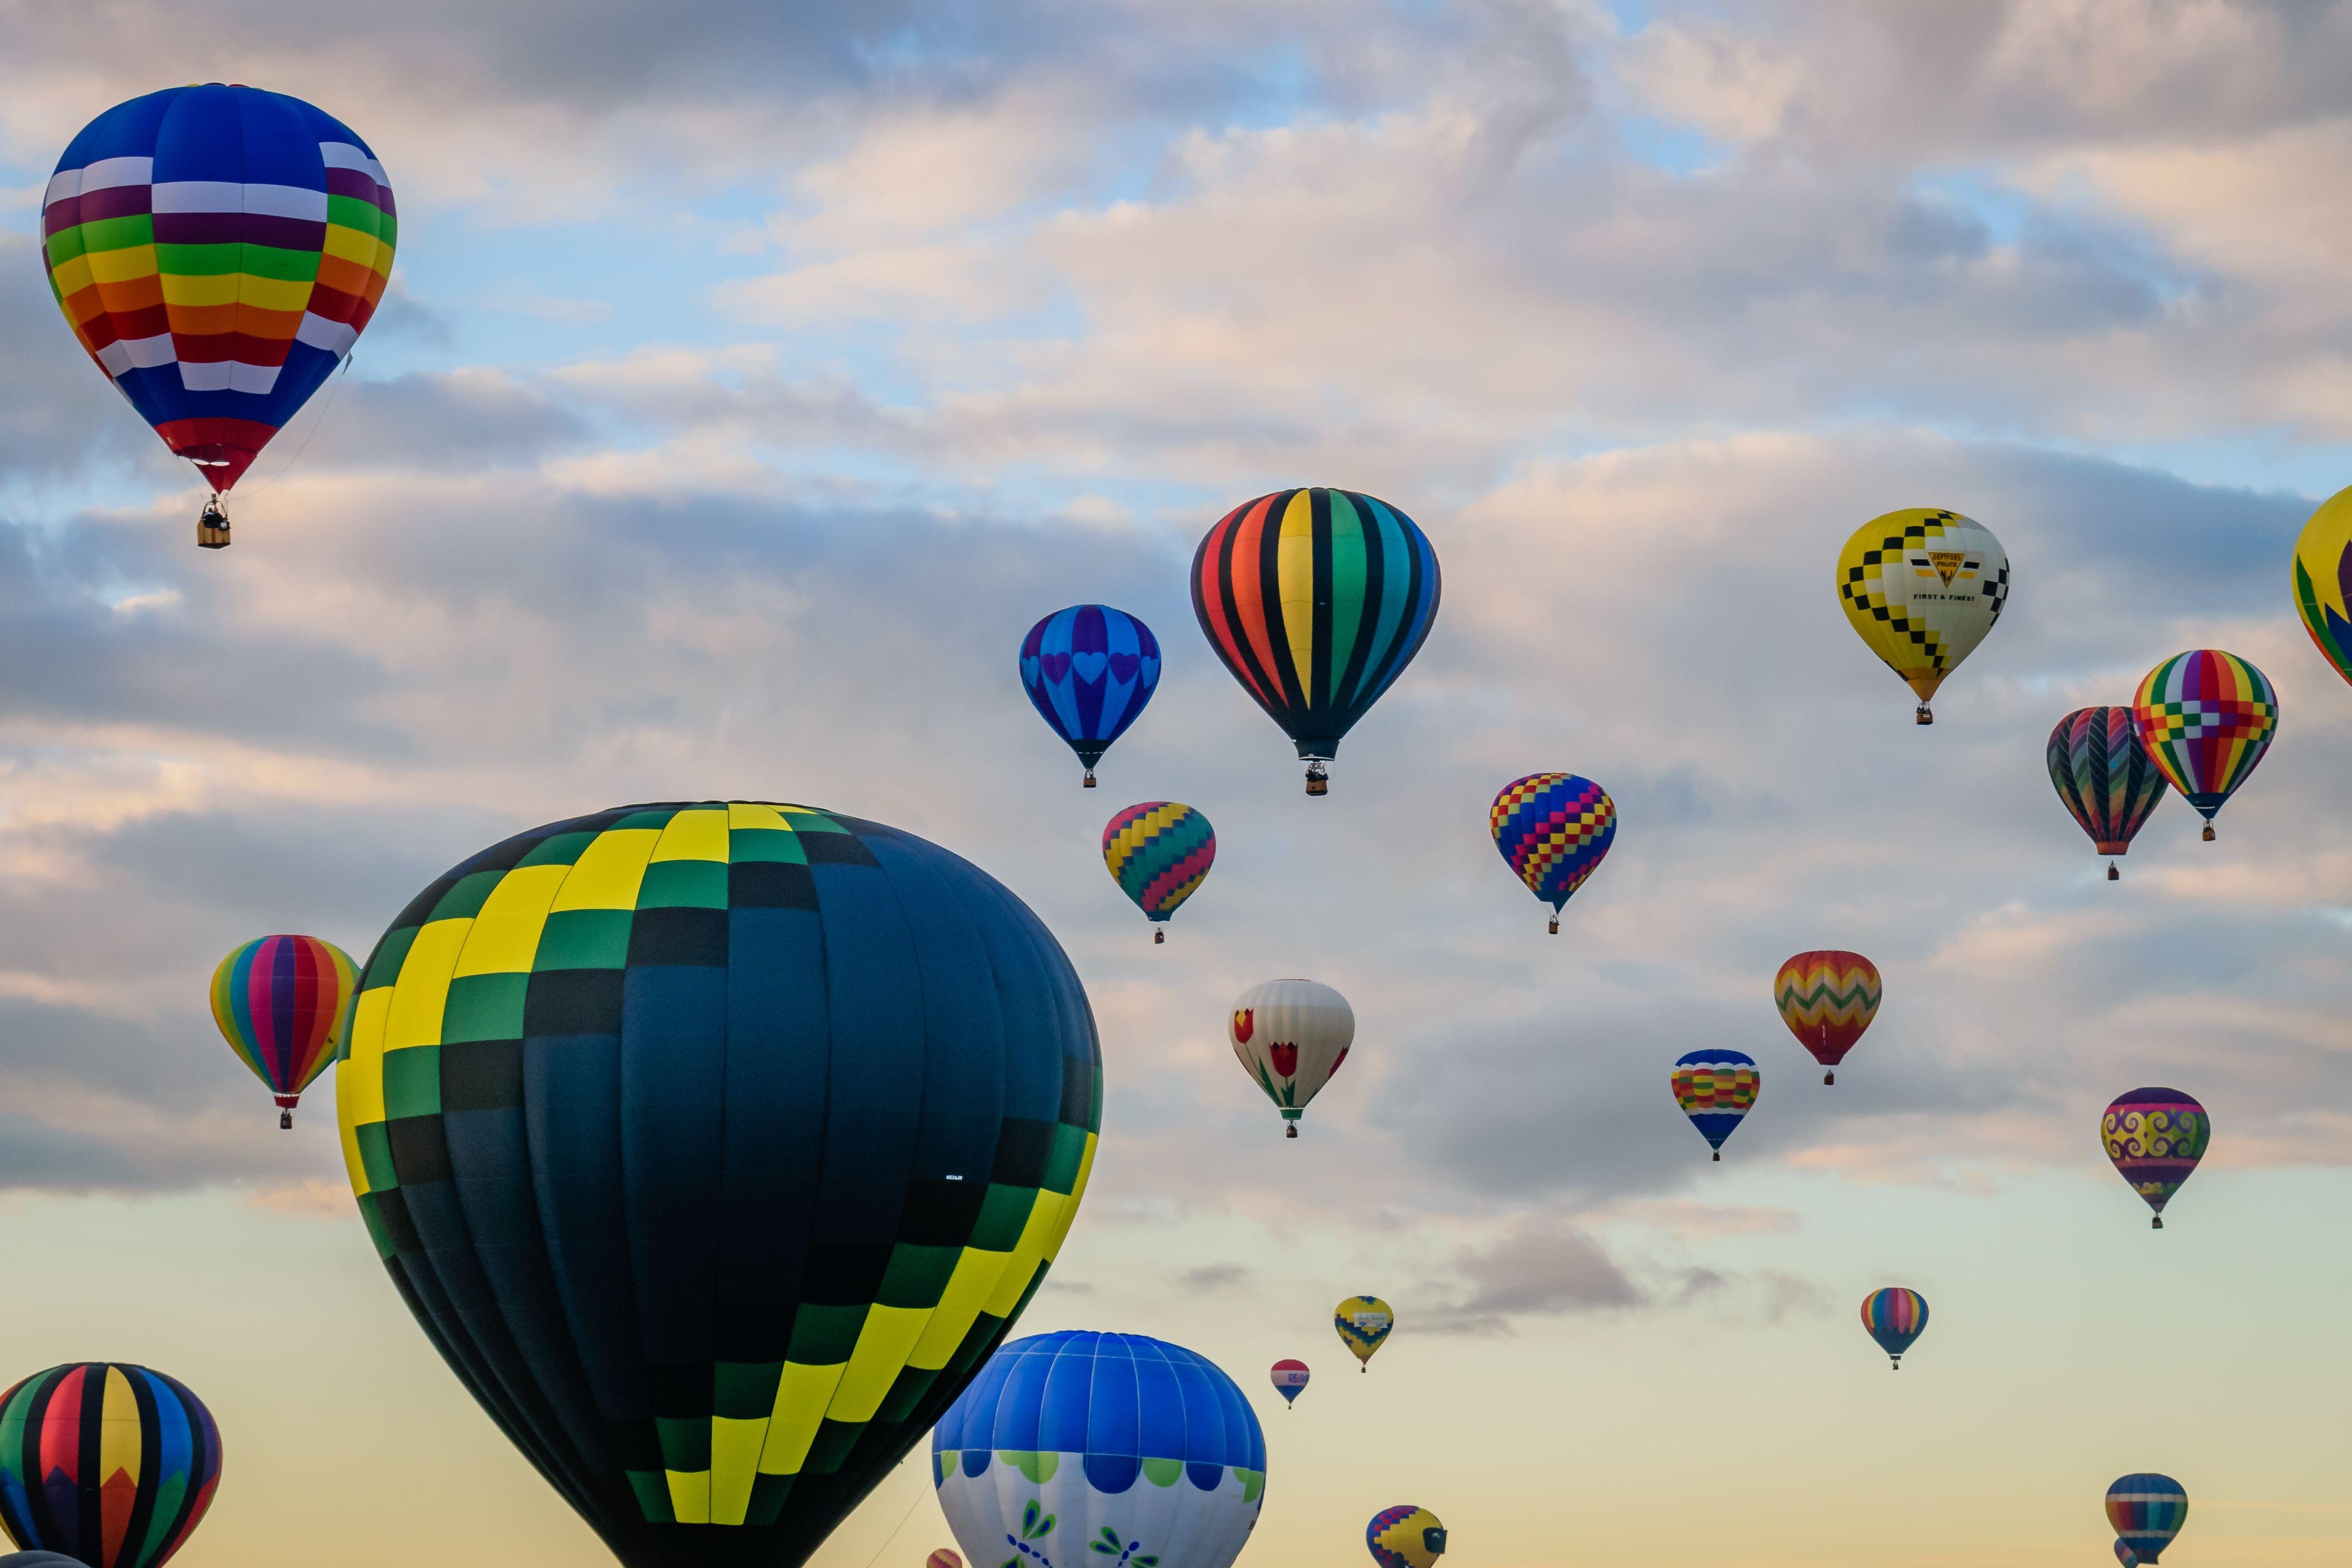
(1291, 1036)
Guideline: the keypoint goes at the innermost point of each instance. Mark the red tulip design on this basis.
(1284, 1058)
(1245, 1025)
(1340, 1057)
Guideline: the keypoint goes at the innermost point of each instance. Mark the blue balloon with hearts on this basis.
(1089, 670)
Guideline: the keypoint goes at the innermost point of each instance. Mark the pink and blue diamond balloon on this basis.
(1089, 670)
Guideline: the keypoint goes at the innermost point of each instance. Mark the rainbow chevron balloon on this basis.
(1828, 998)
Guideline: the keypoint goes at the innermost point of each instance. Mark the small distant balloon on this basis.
(279, 1003)
(1895, 1317)
(110, 1465)
(1088, 671)
(1364, 1324)
(2156, 1136)
(2146, 1511)
(1828, 998)
(1289, 1380)
(2105, 778)
(1158, 852)
(943, 1558)
(1553, 830)
(1716, 1090)
(2205, 718)
(1291, 1036)
(1405, 1537)
(2124, 1554)
(1922, 587)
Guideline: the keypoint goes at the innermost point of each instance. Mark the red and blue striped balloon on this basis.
(279, 1003)
(2106, 781)
(1088, 671)
(2146, 1510)
(1553, 830)
(109, 1464)
(1895, 1317)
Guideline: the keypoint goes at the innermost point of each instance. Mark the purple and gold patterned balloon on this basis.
(2156, 1136)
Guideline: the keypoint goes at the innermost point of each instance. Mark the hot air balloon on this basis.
(1291, 1037)
(1828, 998)
(1158, 852)
(2146, 1511)
(1895, 1317)
(1716, 1088)
(714, 1145)
(1316, 600)
(1110, 1449)
(1088, 671)
(1922, 587)
(943, 1558)
(2104, 778)
(2124, 1554)
(106, 1464)
(278, 1001)
(2156, 1136)
(1289, 1380)
(2205, 718)
(217, 250)
(2322, 579)
(1553, 830)
(39, 1560)
(1405, 1537)
(1364, 1324)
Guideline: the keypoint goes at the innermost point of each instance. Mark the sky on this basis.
(752, 376)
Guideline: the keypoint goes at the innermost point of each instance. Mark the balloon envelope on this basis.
(942, 1558)
(2104, 778)
(1553, 830)
(1364, 1324)
(1316, 600)
(39, 1560)
(1922, 587)
(2124, 1554)
(1405, 1537)
(106, 1464)
(1716, 1090)
(1289, 1379)
(2146, 1511)
(714, 1145)
(1088, 671)
(1828, 998)
(1104, 1449)
(1894, 1317)
(2322, 579)
(1290, 1037)
(279, 1003)
(2155, 1137)
(2205, 718)
(217, 250)
(1159, 853)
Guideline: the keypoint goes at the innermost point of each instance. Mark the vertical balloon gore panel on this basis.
(715, 1145)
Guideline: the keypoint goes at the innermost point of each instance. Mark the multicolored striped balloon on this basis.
(2125, 1556)
(1553, 830)
(1716, 1090)
(1088, 671)
(1405, 1537)
(217, 250)
(2104, 778)
(2146, 1511)
(2205, 717)
(2322, 579)
(1895, 1317)
(1289, 1376)
(106, 1463)
(2155, 1137)
(1828, 998)
(1316, 600)
(279, 1003)
(1364, 1324)
(1158, 852)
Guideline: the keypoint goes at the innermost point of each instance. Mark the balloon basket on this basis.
(1290, 1129)
(1158, 937)
(2155, 1224)
(1319, 779)
(1555, 925)
(1924, 716)
(1717, 1156)
(1830, 1077)
(286, 1122)
(212, 526)
(1088, 783)
(2114, 874)
(2209, 833)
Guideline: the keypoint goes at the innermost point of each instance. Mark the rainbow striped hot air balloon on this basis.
(1828, 998)
(2146, 1511)
(1158, 852)
(279, 1003)
(217, 250)
(2105, 778)
(2205, 718)
(1894, 1317)
(1316, 600)
(2155, 1138)
(1716, 1089)
(1553, 830)
(109, 1464)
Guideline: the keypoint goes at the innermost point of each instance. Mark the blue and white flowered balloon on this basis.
(1089, 1450)
(1089, 670)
